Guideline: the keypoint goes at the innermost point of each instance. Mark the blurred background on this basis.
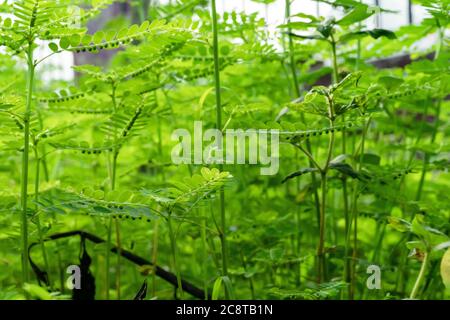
(126, 12)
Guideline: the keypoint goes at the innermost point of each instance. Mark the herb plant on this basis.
(364, 153)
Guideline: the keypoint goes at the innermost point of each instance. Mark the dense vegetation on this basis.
(364, 155)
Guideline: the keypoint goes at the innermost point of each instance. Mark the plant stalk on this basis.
(25, 158)
(174, 254)
(223, 233)
(298, 94)
(38, 222)
(420, 277)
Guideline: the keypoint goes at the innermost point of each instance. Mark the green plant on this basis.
(364, 150)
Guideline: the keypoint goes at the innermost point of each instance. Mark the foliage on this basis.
(364, 153)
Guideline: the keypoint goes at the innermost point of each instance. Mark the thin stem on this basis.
(298, 94)
(334, 60)
(440, 42)
(350, 273)
(174, 254)
(420, 277)
(322, 221)
(204, 254)
(155, 254)
(223, 233)
(46, 57)
(321, 245)
(107, 257)
(358, 46)
(36, 200)
(25, 158)
(119, 246)
(112, 177)
(435, 129)
(310, 157)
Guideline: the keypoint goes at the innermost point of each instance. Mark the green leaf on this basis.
(417, 226)
(64, 43)
(325, 29)
(360, 13)
(432, 236)
(390, 82)
(299, 173)
(75, 40)
(445, 269)
(442, 245)
(98, 37)
(345, 169)
(217, 288)
(101, 209)
(416, 245)
(7, 23)
(276, 254)
(399, 224)
(37, 292)
(53, 46)
(370, 158)
(377, 33)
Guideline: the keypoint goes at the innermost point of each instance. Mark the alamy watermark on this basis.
(374, 280)
(233, 146)
(74, 280)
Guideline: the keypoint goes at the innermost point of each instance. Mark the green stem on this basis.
(25, 157)
(350, 273)
(420, 277)
(223, 233)
(298, 94)
(119, 246)
(321, 245)
(107, 256)
(204, 255)
(321, 266)
(440, 42)
(155, 254)
(113, 174)
(358, 46)
(174, 254)
(344, 148)
(310, 157)
(36, 199)
(334, 58)
(322, 220)
(435, 129)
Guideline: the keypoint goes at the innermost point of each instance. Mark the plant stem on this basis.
(36, 199)
(117, 226)
(420, 277)
(223, 233)
(112, 177)
(321, 245)
(298, 94)
(351, 273)
(174, 254)
(25, 157)
(112, 174)
(435, 129)
(335, 65)
(107, 256)
(321, 268)
(310, 157)
(155, 254)
(119, 246)
(204, 254)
